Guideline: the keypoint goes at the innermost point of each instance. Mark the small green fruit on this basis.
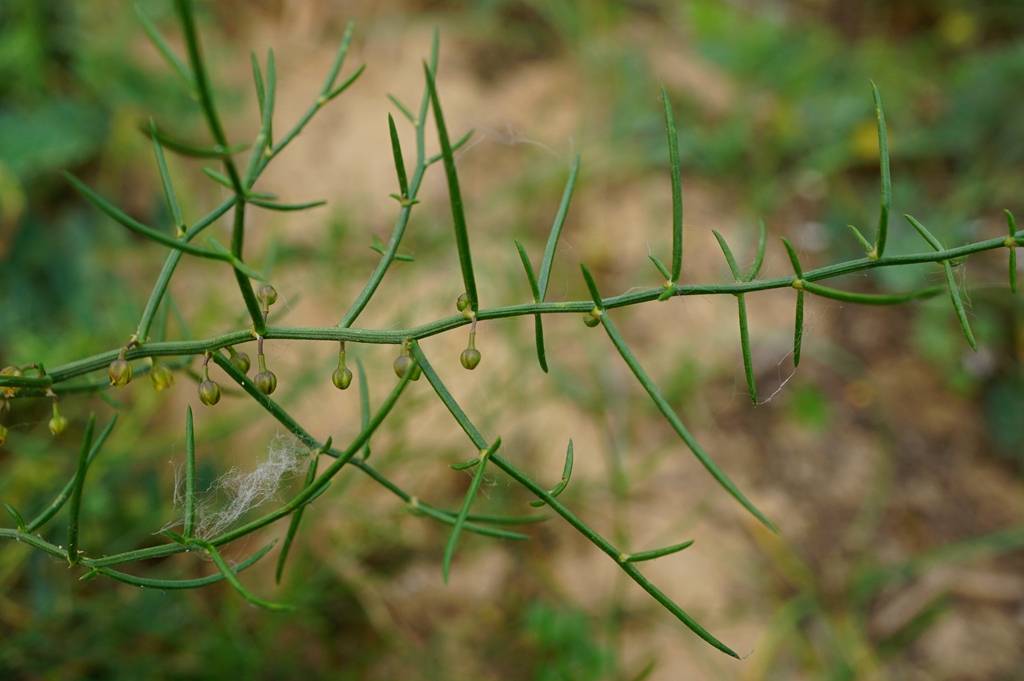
(342, 378)
(470, 358)
(462, 302)
(266, 381)
(120, 372)
(240, 361)
(209, 392)
(162, 377)
(267, 294)
(57, 424)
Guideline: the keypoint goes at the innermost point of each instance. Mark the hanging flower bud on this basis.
(57, 422)
(470, 358)
(120, 371)
(342, 378)
(240, 360)
(266, 381)
(9, 391)
(3, 434)
(162, 377)
(209, 392)
(462, 302)
(267, 295)
(403, 364)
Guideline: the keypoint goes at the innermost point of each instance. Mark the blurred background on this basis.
(892, 460)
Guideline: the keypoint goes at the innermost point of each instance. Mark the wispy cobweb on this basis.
(236, 492)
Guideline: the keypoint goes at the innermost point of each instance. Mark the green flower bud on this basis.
(267, 294)
(162, 377)
(404, 364)
(266, 381)
(462, 302)
(58, 423)
(209, 392)
(240, 361)
(9, 391)
(3, 435)
(120, 372)
(342, 378)
(592, 318)
(470, 358)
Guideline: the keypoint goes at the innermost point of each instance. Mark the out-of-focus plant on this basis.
(146, 350)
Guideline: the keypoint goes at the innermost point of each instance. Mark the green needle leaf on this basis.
(396, 152)
(164, 49)
(592, 287)
(190, 475)
(1011, 225)
(364, 403)
(293, 524)
(951, 283)
(19, 521)
(861, 239)
(286, 207)
(564, 482)
(886, 178)
(134, 225)
(459, 143)
(871, 298)
(190, 150)
(402, 108)
(741, 308)
(176, 584)
(762, 242)
(378, 247)
(76, 490)
(677, 425)
(538, 325)
(232, 579)
(748, 361)
(660, 266)
(798, 327)
(339, 58)
(346, 84)
(257, 78)
(677, 188)
(657, 553)
(454, 195)
(165, 181)
(544, 277)
(467, 502)
(419, 508)
(65, 493)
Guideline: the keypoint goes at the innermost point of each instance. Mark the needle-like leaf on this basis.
(467, 502)
(232, 579)
(164, 49)
(656, 553)
(798, 326)
(886, 178)
(165, 181)
(296, 519)
(65, 493)
(190, 475)
(564, 482)
(677, 188)
(951, 283)
(454, 195)
(396, 152)
(1011, 225)
(177, 584)
(76, 490)
(741, 309)
(364, 403)
(663, 406)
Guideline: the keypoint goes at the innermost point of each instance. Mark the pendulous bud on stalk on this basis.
(57, 422)
(470, 358)
(267, 295)
(209, 392)
(266, 381)
(342, 378)
(162, 377)
(240, 360)
(120, 371)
